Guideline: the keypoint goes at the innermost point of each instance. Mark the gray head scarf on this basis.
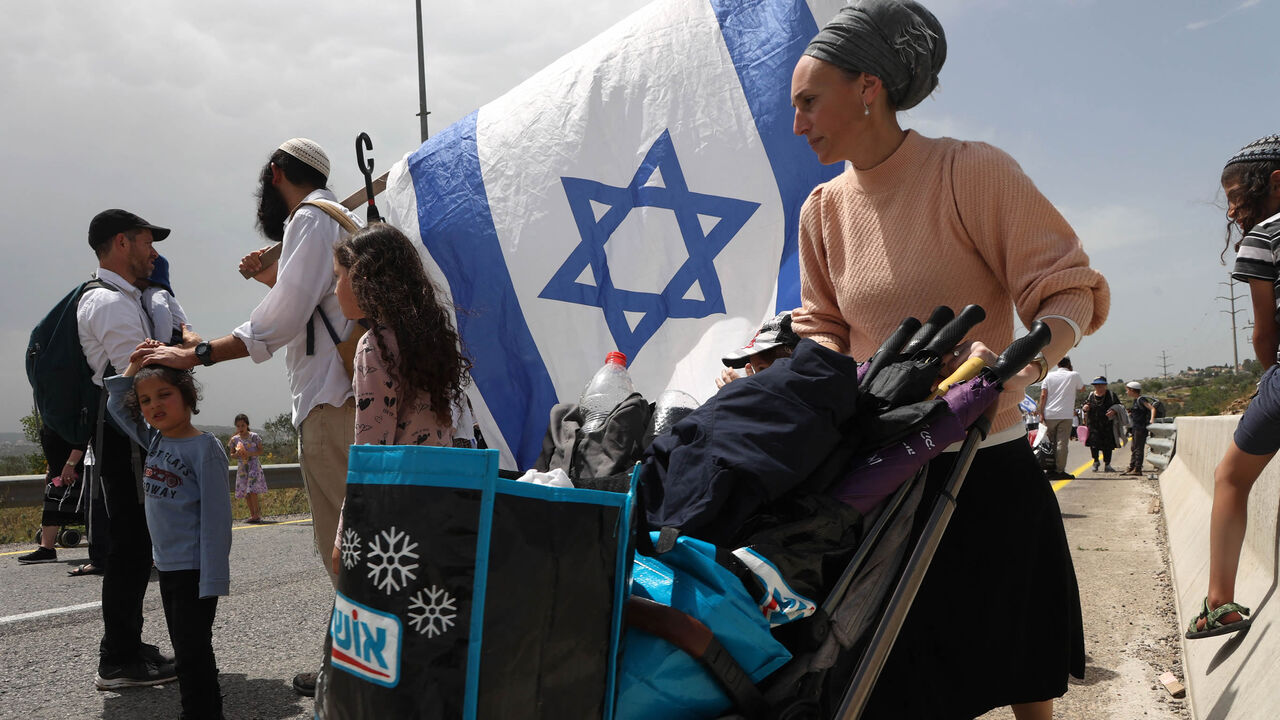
(898, 41)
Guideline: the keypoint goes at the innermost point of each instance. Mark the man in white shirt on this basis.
(111, 322)
(1057, 408)
(295, 315)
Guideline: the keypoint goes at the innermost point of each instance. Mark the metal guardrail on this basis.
(28, 490)
(1162, 439)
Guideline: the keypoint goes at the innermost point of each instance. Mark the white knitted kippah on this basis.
(309, 152)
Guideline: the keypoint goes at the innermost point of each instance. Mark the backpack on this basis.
(61, 380)
(1156, 405)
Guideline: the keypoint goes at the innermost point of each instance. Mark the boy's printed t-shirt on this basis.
(189, 520)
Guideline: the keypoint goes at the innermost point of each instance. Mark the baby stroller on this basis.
(839, 649)
(64, 506)
(466, 594)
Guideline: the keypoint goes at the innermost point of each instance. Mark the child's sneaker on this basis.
(41, 555)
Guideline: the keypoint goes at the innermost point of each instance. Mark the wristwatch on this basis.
(204, 353)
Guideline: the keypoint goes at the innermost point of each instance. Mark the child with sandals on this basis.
(1251, 181)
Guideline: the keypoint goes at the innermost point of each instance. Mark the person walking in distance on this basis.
(1057, 409)
(112, 322)
(301, 316)
(1141, 415)
(1099, 415)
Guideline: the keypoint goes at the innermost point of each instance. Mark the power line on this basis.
(1164, 363)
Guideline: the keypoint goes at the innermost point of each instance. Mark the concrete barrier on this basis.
(1233, 676)
(28, 490)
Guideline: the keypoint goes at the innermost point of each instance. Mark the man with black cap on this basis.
(112, 322)
(774, 340)
(300, 315)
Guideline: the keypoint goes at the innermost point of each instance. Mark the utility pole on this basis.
(1164, 363)
(1232, 297)
(422, 77)
(1104, 368)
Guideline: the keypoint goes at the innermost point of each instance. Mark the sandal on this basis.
(85, 569)
(1212, 626)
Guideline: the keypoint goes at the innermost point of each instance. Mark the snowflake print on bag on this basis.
(390, 567)
(431, 611)
(350, 548)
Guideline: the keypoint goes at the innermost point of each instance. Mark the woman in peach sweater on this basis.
(917, 222)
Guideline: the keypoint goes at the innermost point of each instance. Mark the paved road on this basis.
(269, 628)
(1116, 533)
(272, 625)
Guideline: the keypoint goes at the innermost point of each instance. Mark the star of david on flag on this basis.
(702, 242)
(640, 194)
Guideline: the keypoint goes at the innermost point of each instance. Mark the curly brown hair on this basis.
(391, 286)
(184, 380)
(1254, 179)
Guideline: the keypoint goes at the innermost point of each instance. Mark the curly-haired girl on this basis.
(1251, 181)
(410, 370)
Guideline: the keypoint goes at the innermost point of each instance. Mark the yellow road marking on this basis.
(1063, 483)
(238, 527)
(1067, 481)
(286, 522)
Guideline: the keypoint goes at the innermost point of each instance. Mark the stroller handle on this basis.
(1020, 352)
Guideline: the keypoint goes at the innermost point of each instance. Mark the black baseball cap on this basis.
(109, 223)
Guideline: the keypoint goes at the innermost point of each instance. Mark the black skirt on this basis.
(997, 619)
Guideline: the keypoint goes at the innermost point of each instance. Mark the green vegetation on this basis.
(1213, 391)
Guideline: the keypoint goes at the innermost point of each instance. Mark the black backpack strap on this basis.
(311, 330)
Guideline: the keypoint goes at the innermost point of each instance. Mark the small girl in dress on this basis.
(401, 398)
(189, 516)
(246, 446)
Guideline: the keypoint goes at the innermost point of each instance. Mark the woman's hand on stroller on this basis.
(964, 352)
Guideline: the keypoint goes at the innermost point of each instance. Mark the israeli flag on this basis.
(641, 194)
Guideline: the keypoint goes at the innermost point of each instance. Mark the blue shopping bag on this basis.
(658, 680)
(465, 595)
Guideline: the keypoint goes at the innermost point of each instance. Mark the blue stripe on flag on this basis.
(458, 231)
(766, 40)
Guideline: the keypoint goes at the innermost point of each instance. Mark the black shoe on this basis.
(138, 673)
(305, 684)
(41, 555)
(152, 654)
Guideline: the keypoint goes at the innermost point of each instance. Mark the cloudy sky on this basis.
(1122, 112)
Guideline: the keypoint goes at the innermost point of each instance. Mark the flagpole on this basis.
(422, 77)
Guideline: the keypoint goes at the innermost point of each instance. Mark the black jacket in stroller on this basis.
(755, 441)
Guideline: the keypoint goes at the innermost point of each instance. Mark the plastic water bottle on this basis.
(672, 406)
(608, 388)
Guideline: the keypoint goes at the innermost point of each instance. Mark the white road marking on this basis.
(52, 611)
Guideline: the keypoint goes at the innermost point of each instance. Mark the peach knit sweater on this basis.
(940, 222)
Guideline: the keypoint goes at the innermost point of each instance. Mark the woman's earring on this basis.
(866, 109)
